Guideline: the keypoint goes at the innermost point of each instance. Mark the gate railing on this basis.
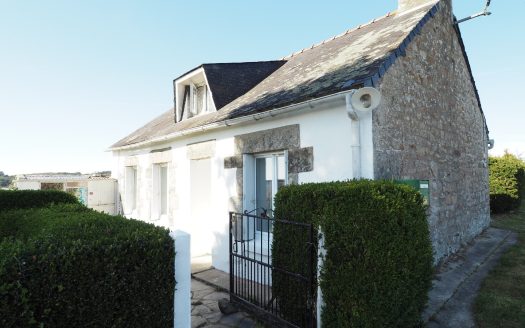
(252, 271)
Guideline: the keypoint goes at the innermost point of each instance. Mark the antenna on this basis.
(485, 12)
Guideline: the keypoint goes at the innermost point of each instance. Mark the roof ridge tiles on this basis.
(244, 62)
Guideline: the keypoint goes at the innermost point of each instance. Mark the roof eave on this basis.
(293, 109)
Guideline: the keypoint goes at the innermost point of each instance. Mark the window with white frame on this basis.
(264, 174)
(192, 95)
(131, 189)
(198, 99)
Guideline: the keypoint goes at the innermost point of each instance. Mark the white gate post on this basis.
(321, 252)
(182, 299)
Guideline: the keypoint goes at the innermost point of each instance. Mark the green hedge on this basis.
(13, 199)
(507, 183)
(69, 266)
(302, 203)
(378, 262)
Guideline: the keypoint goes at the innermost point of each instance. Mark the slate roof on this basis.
(357, 57)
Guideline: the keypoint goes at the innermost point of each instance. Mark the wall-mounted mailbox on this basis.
(420, 185)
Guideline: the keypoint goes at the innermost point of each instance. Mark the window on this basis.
(198, 99)
(131, 189)
(192, 96)
(160, 191)
(269, 177)
(263, 176)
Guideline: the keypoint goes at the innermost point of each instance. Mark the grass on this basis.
(501, 300)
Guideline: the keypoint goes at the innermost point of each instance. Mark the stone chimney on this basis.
(403, 5)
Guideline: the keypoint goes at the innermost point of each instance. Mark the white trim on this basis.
(211, 94)
(190, 75)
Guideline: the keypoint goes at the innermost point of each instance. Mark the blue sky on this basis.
(76, 76)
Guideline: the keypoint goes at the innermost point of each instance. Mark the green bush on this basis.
(507, 183)
(69, 266)
(302, 203)
(12, 199)
(378, 264)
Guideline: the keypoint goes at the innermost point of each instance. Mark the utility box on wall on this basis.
(420, 185)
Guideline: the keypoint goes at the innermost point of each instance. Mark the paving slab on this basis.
(217, 278)
(458, 280)
(205, 310)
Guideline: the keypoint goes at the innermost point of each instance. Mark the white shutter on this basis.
(130, 190)
(248, 182)
(155, 192)
(204, 99)
(193, 100)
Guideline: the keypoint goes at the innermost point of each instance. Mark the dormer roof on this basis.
(228, 81)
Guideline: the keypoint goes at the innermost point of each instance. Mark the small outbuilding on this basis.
(96, 192)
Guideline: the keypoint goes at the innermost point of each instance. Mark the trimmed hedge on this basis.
(300, 203)
(378, 264)
(506, 182)
(13, 199)
(69, 266)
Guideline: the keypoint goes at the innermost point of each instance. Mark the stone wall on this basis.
(429, 126)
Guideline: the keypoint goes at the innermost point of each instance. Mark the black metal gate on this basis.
(254, 272)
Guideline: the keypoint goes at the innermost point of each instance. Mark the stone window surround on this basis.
(285, 138)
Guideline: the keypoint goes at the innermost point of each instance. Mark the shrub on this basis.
(378, 264)
(12, 199)
(507, 183)
(69, 266)
(302, 203)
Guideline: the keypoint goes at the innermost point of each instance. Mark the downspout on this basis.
(359, 103)
(355, 137)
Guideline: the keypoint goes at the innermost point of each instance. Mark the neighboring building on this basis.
(96, 192)
(239, 131)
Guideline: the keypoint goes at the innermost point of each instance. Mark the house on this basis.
(96, 191)
(239, 131)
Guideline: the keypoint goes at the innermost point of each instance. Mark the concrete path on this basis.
(458, 280)
(205, 310)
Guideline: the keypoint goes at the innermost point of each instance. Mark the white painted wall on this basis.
(326, 128)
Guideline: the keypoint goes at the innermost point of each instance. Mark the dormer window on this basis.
(193, 96)
(198, 99)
